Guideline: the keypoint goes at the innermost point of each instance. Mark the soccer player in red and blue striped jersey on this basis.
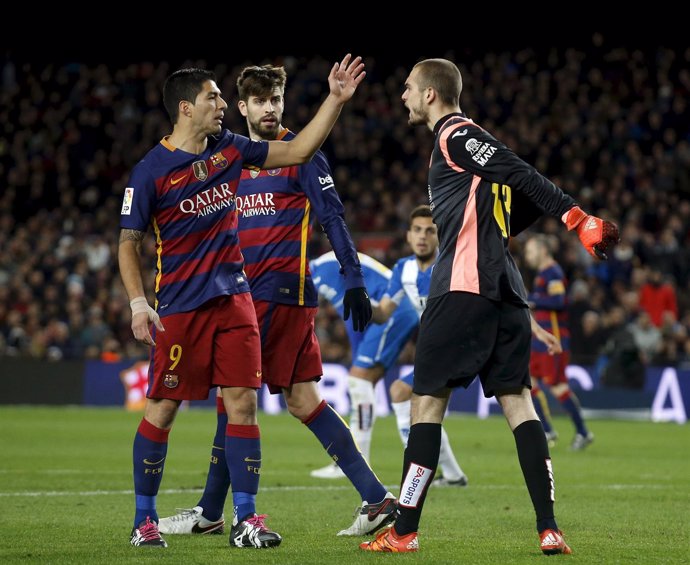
(548, 303)
(276, 208)
(204, 324)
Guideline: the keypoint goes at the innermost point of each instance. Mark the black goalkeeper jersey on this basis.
(475, 184)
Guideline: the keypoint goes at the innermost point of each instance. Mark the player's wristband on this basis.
(139, 305)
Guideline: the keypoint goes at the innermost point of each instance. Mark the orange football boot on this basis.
(389, 541)
(552, 542)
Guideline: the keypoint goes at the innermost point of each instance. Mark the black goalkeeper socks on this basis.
(533, 453)
(419, 467)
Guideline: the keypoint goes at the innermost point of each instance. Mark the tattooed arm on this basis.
(129, 257)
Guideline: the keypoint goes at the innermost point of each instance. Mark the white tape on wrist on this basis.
(139, 305)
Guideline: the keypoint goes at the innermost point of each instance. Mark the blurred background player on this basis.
(373, 352)
(372, 355)
(548, 303)
(275, 209)
(376, 351)
(410, 278)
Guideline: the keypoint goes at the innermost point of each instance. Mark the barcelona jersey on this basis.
(549, 299)
(190, 202)
(276, 209)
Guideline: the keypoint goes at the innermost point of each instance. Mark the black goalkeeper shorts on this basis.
(463, 335)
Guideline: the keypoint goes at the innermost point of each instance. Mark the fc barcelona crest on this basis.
(219, 161)
(171, 381)
(254, 172)
(200, 170)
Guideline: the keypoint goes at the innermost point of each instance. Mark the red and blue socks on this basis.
(218, 478)
(148, 454)
(571, 405)
(243, 455)
(333, 433)
(541, 407)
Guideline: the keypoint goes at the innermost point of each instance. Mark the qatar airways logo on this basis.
(208, 201)
(260, 204)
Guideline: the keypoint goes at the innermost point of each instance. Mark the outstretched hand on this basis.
(345, 77)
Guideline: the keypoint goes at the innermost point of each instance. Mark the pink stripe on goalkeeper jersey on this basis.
(443, 144)
(465, 273)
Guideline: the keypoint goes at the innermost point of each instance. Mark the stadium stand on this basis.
(609, 125)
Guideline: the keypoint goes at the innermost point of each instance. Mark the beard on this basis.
(427, 256)
(265, 131)
(418, 116)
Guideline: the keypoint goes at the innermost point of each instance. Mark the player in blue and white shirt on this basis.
(373, 352)
(410, 281)
(411, 275)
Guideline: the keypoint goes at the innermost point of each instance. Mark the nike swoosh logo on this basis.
(180, 179)
(371, 516)
(459, 133)
(147, 462)
(215, 528)
(250, 460)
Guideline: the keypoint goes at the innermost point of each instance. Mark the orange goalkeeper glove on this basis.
(596, 235)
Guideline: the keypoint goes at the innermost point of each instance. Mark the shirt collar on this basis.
(445, 118)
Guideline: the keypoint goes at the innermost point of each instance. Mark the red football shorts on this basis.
(290, 352)
(215, 345)
(549, 369)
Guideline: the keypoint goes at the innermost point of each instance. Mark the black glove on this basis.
(356, 300)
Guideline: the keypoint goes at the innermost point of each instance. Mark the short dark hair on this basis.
(184, 84)
(443, 76)
(260, 81)
(422, 211)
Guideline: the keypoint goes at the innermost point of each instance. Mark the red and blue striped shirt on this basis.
(549, 299)
(190, 202)
(276, 208)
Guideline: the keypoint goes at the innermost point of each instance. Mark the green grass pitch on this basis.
(65, 493)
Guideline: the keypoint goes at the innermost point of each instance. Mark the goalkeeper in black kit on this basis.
(477, 318)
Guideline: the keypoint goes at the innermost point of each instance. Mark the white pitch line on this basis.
(311, 488)
(162, 491)
(85, 472)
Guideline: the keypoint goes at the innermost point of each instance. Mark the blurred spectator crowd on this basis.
(610, 125)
